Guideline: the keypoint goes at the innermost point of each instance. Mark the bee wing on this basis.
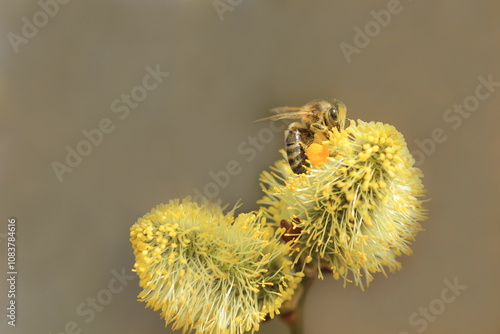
(286, 112)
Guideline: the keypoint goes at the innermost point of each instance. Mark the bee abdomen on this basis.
(295, 140)
(297, 159)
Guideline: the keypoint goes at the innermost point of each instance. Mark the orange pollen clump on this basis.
(317, 154)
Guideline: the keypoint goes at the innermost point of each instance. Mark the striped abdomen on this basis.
(296, 139)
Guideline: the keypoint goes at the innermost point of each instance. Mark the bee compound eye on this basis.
(334, 113)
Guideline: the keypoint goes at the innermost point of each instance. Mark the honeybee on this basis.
(314, 116)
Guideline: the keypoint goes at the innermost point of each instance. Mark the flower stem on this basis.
(294, 315)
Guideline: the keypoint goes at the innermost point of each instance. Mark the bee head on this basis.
(335, 115)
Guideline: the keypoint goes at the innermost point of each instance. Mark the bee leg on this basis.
(319, 126)
(297, 138)
(320, 130)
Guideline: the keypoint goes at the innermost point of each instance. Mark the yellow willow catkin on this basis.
(357, 209)
(209, 272)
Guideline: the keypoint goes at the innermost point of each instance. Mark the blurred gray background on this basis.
(67, 70)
